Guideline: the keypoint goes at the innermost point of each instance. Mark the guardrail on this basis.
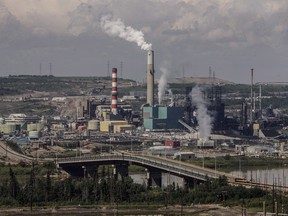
(166, 165)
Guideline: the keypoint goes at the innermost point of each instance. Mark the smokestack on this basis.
(150, 77)
(251, 97)
(114, 91)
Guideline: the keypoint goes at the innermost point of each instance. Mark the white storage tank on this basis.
(34, 135)
(8, 128)
(32, 127)
(93, 125)
(35, 127)
(2, 121)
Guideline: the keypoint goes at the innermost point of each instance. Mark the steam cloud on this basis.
(202, 115)
(117, 28)
(162, 84)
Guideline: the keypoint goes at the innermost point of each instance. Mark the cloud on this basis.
(200, 32)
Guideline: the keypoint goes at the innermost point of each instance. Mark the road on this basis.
(7, 154)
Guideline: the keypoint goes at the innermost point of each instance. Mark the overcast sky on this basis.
(231, 36)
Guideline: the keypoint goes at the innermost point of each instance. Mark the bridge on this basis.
(191, 174)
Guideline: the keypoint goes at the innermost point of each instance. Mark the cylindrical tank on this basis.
(40, 126)
(34, 134)
(32, 127)
(35, 127)
(72, 125)
(2, 120)
(93, 125)
(8, 129)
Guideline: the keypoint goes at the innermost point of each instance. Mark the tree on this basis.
(13, 185)
(31, 186)
(48, 187)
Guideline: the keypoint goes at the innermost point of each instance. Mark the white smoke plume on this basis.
(202, 115)
(117, 28)
(163, 83)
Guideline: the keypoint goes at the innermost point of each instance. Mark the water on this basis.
(276, 176)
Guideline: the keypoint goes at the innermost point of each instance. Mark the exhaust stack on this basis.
(150, 77)
(114, 92)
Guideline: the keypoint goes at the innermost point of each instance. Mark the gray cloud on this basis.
(230, 35)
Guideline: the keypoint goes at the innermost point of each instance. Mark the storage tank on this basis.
(34, 134)
(93, 125)
(31, 127)
(40, 126)
(8, 128)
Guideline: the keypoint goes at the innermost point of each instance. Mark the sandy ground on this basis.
(11, 156)
(197, 210)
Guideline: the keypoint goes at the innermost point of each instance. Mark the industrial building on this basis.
(20, 122)
(162, 118)
(158, 117)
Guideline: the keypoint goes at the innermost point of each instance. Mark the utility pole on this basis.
(121, 69)
(108, 68)
(50, 69)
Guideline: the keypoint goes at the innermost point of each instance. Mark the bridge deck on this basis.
(164, 164)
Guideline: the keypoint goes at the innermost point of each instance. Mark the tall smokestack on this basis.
(251, 97)
(114, 91)
(150, 77)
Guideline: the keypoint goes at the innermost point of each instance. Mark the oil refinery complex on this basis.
(186, 124)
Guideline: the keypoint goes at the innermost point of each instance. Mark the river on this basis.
(276, 176)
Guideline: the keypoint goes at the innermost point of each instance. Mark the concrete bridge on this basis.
(155, 166)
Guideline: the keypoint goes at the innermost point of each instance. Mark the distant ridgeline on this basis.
(23, 75)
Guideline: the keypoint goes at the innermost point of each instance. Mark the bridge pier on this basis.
(120, 170)
(154, 178)
(91, 171)
(76, 171)
(189, 182)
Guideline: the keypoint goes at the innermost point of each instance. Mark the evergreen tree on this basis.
(31, 186)
(13, 185)
(48, 187)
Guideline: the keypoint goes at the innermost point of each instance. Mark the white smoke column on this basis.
(117, 28)
(202, 115)
(163, 83)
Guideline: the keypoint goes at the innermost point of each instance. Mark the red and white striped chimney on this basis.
(114, 92)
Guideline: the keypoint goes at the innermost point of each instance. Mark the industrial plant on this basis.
(197, 117)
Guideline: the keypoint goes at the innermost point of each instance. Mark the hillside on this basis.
(200, 80)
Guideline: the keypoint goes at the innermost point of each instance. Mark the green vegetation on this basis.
(41, 187)
(228, 163)
(14, 146)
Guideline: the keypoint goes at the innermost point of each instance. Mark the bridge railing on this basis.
(165, 165)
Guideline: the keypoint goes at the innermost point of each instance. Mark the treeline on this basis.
(228, 163)
(23, 75)
(104, 189)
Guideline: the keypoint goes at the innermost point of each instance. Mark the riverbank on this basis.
(196, 210)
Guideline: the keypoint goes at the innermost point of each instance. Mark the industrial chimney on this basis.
(150, 77)
(114, 92)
